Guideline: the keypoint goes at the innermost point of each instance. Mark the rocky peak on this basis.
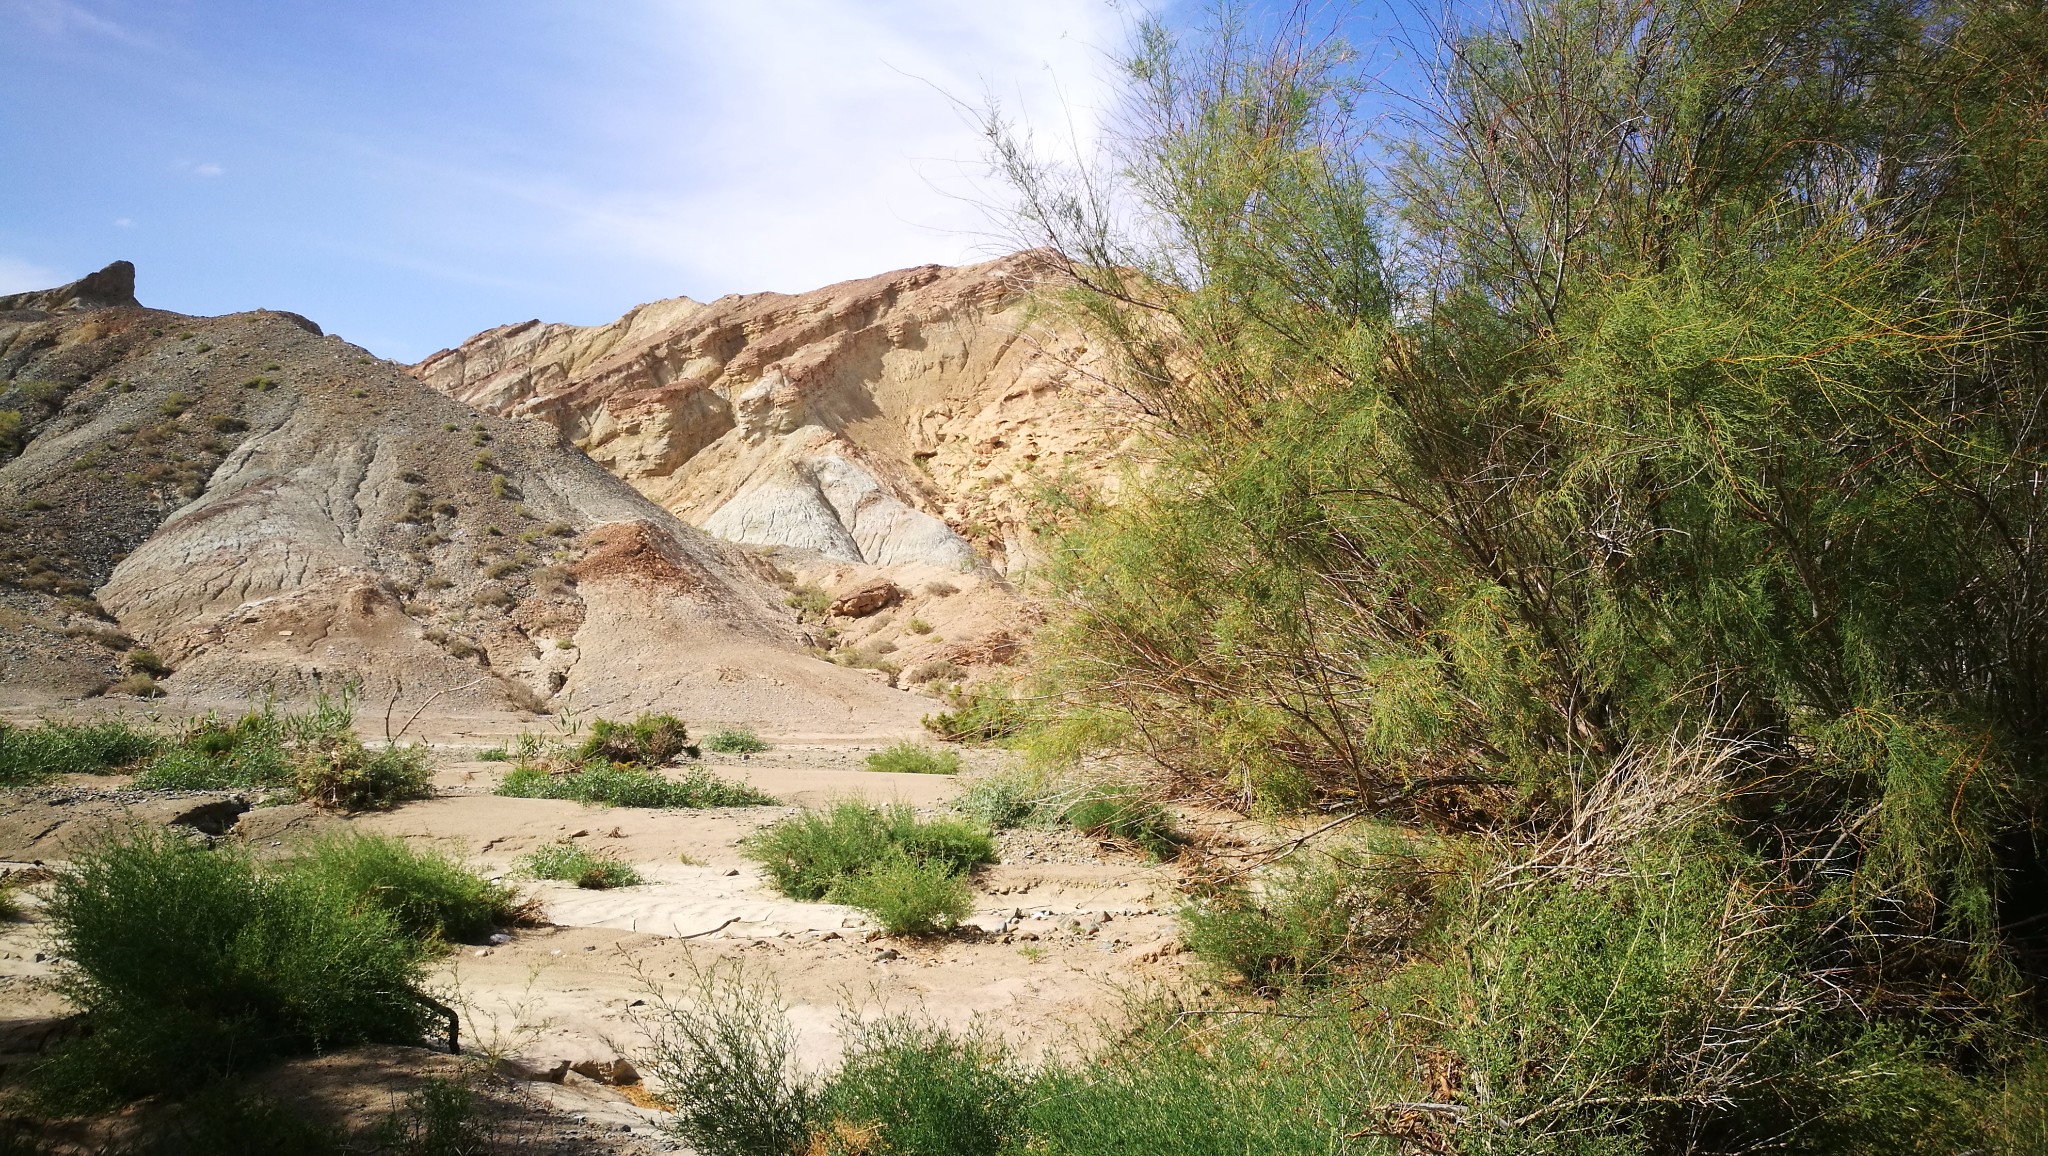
(111, 286)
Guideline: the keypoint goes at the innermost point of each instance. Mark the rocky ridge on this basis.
(910, 419)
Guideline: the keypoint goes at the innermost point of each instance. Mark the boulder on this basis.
(861, 601)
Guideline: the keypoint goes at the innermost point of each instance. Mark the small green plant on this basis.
(429, 894)
(910, 873)
(569, 863)
(652, 740)
(1122, 812)
(811, 603)
(497, 754)
(918, 626)
(738, 741)
(597, 781)
(983, 714)
(908, 896)
(1006, 799)
(10, 899)
(142, 660)
(922, 1091)
(914, 759)
(726, 1054)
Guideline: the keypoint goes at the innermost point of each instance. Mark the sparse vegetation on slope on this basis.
(617, 765)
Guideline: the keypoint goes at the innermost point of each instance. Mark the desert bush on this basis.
(428, 894)
(145, 661)
(910, 758)
(569, 863)
(987, 713)
(135, 686)
(32, 754)
(497, 754)
(724, 1054)
(613, 786)
(10, 899)
(1010, 798)
(349, 776)
(1314, 917)
(918, 1090)
(808, 854)
(908, 896)
(811, 603)
(1123, 812)
(652, 740)
(909, 873)
(191, 964)
(738, 741)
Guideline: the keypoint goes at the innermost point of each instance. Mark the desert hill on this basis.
(910, 418)
(267, 508)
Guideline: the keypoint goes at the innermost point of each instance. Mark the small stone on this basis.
(498, 938)
(731, 871)
(887, 954)
(590, 947)
(481, 952)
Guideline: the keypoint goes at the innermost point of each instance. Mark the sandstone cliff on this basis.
(916, 417)
(269, 508)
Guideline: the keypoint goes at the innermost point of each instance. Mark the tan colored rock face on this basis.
(910, 418)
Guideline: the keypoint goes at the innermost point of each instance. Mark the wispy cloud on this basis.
(66, 19)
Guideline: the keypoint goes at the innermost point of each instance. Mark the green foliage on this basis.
(908, 896)
(192, 964)
(313, 753)
(572, 864)
(32, 754)
(497, 754)
(738, 741)
(917, 1090)
(809, 855)
(614, 786)
(910, 758)
(725, 1057)
(987, 713)
(1009, 798)
(428, 894)
(811, 603)
(652, 740)
(1123, 812)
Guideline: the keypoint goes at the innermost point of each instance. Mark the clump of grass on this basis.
(569, 863)
(738, 741)
(918, 1090)
(1122, 813)
(616, 786)
(914, 759)
(191, 964)
(349, 776)
(1304, 921)
(497, 754)
(33, 754)
(652, 740)
(429, 894)
(910, 873)
(10, 899)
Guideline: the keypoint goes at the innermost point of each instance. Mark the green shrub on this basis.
(1009, 799)
(10, 899)
(921, 1091)
(652, 740)
(190, 963)
(909, 758)
(145, 661)
(428, 894)
(497, 754)
(988, 713)
(724, 1056)
(739, 741)
(1309, 918)
(1123, 813)
(614, 786)
(572, 864)
(351, 777)
(808, 854)
(32, 754)
(908, 896)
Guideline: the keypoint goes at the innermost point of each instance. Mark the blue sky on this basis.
(407, 173)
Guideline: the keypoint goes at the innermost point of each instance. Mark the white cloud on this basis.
(787, 143)
(19, 276)
(123, 223)
(208, 169)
